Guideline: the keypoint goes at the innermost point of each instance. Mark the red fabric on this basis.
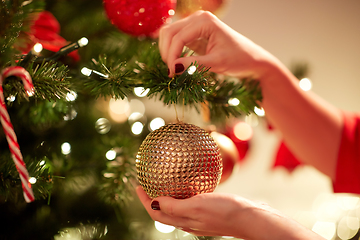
(348, 164)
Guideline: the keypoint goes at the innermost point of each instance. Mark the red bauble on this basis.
(139, 17)
(229, 154)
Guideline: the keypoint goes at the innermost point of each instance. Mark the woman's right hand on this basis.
(216, 46)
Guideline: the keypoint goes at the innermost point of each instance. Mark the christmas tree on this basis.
(80, 161)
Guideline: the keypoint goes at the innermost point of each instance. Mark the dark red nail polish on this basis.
(179, 68)
(168, 71)
(155, 205)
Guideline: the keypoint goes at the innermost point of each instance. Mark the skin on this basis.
(310, 127)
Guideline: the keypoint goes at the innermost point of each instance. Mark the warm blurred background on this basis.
(82, 149)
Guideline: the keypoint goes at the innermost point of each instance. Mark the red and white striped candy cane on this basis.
(9, 129)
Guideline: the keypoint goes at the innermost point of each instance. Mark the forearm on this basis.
(266, 223)
(310, 127)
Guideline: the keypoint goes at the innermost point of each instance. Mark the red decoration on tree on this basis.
(241, 145)
(45, 30)
(229, 154)
(285, 158)
(139, 17)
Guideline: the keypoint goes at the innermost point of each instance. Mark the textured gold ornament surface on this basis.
(178, 160)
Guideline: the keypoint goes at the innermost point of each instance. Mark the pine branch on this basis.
(10, 183)
(50, 82)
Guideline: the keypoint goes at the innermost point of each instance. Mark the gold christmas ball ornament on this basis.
(178, 160)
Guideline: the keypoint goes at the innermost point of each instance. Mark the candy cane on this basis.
(9, 129)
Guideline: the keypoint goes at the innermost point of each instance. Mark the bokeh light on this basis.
(102, 125)
(137, 128)
(163, 227)
(156, 123)
(243, 131)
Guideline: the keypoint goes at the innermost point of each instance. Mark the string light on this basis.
(93, 74)
(65, 148)
(259, 111)
(234, 101)
(141, 92)
(191, 70)
(110, 155)
(38, 47)
(71, 96)
(32, 180)
(305, 84)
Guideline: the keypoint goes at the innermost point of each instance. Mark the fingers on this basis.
(185, 32)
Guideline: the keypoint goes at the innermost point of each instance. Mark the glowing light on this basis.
(42, 163)
(325, 229)
(71, 96)
(32, 180)
(156, 123)
(141, 92)
(135, 116)
(137, 106)
(110, 155)
(234, 101)
(30, 93)
(137, 128)
(305, 84)
(83, 42)
(119, 106)
(11, 98)
(86, 71)
(171, 12)
(65, 148)
(38, 47)
(259, 111)
(191, 70)
(163, 227)
(243, 131)
(348, 227)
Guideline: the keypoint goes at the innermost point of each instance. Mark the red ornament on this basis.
(229, 154)
(139, 17)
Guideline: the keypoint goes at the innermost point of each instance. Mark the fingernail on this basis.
(179, 68)
(155, 205)
(168, 71)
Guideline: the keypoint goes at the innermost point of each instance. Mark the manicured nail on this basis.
(155, 205)
(179, 68)
(168, 71)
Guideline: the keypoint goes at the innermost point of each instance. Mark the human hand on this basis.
(214, 214)
(216, 45)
